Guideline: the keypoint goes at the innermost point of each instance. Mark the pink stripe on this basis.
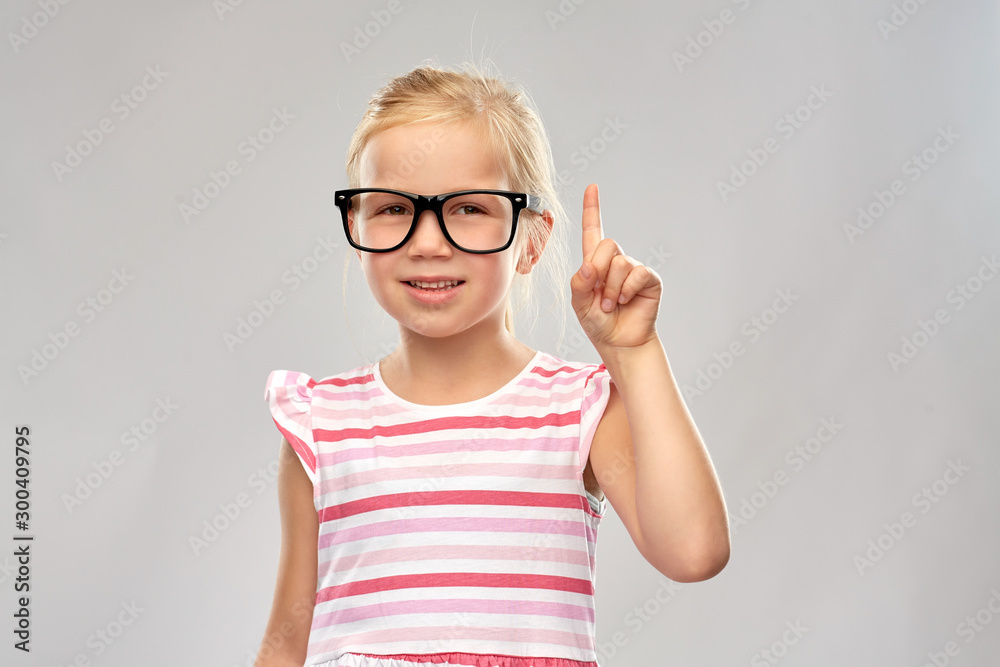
(515, 635)
(447, 424)
(440, 445)
(333, 411)
(363, 394)
(346, 382)
(335, 414)
(550, 372)
(459, 551)
(454, 659)
(333, 406)
(547, 386)
(460, 497)
(549, 399)
(530, 470)
(473, 606)
(464, 524)
(368, 389)
(456, 579)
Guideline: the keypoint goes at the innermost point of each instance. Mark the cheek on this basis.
(492, 277)
(377, 273)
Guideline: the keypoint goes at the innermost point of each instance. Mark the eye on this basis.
(393, 209)
(372, 204)
(480, 205)
(476, 204)
(469, 209)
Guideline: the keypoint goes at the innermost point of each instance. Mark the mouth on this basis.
(437, 286)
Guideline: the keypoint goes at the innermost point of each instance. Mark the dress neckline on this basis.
(452, 407)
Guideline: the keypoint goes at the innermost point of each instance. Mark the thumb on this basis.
(583, 289)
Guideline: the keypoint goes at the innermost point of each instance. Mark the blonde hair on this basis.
(512, 128)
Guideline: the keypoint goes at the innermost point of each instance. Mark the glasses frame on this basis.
(519, 201)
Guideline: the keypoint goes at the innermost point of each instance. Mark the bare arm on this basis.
(653, 466)
(287, 635)
(649, 457)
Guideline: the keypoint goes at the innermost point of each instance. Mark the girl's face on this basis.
(431, 159)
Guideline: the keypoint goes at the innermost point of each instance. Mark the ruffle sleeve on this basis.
(596, 392)
(289, 397)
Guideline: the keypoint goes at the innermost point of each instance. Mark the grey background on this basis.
(161, 338)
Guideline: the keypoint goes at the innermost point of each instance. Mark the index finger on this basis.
(592, 230)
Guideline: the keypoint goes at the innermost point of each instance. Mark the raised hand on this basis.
(632, 288)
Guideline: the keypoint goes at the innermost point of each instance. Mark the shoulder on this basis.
(593, 379)
(299, 386)
(581, 372)
(591, 385)
(602, 410)
(288, 384)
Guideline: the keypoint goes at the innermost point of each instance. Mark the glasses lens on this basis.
(479, 221)
(379, 220)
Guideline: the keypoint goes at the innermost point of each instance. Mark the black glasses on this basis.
(476, 221)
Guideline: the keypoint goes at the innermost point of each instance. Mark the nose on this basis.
(427, 237)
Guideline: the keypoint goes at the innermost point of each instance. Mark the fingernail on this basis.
(606, 304)
(585, 271)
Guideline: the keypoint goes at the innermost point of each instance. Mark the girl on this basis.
(440, 506)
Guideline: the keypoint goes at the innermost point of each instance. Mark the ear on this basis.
(532, 253)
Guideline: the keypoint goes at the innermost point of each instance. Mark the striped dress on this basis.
(450, 534)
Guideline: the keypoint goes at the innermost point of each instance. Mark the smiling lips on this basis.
(434, 295)
(434, 283)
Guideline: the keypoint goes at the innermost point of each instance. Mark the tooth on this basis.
(436, 285)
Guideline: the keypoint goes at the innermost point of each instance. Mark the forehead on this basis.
(431, 158)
